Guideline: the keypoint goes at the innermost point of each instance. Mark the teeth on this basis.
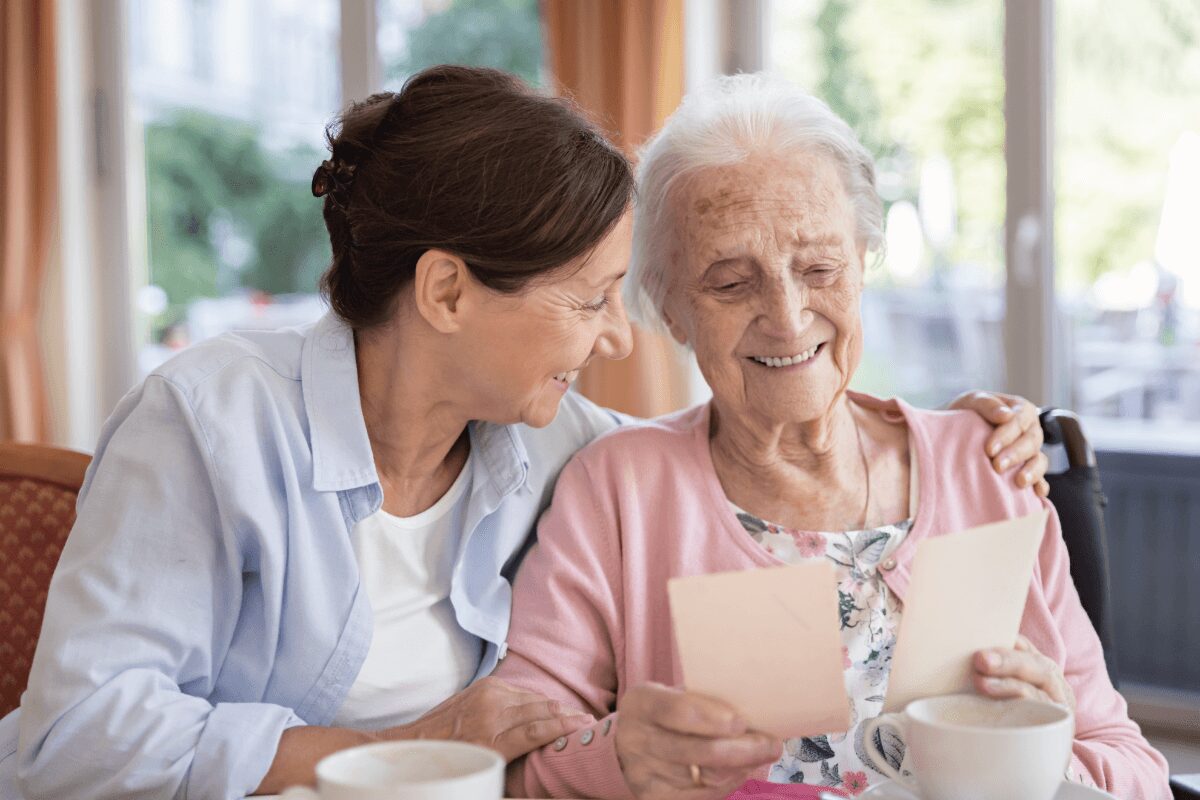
(786, 361)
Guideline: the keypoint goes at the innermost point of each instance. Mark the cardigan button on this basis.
(888, 564)
(586, 737)
(607, 726)
(559, 744)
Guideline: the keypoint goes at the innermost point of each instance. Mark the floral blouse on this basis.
(870, 620)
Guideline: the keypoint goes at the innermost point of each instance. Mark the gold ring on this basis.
(697, 778)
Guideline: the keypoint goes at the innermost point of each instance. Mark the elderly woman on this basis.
(291, 542)
(757, 208)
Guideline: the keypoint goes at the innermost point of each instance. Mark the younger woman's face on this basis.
(522, 351)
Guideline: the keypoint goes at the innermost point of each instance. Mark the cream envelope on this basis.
(967, 592)
(765, 641)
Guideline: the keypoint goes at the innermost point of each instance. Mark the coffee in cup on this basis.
(407, 770)
(967, 747)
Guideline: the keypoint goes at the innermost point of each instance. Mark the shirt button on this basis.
(560, 743)
(888, 564)
(586, 737)
(502, 652)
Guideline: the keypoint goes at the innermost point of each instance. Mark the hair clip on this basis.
(334, 178)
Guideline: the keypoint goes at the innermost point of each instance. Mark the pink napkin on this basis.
(762, 790)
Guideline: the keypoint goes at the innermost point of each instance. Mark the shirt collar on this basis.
(502, 454)
(337, 432)
(341, 450)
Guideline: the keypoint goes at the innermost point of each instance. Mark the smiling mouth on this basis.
(776, 362)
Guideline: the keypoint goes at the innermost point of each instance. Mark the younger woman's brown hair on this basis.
(467, 160)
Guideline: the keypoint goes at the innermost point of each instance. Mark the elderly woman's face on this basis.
(766, 285)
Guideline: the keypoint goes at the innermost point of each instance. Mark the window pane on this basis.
(232, 99)
(1128, 205)
(922, 83)
(414, 34)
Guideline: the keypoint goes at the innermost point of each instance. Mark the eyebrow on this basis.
(610, 279)
(819, 242)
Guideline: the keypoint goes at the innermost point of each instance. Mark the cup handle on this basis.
(299, 793)
(897, 720)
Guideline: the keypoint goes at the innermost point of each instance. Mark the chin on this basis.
(540, 414)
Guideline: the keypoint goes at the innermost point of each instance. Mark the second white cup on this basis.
(967, 746)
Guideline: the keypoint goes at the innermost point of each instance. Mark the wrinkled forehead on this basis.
(798, 199)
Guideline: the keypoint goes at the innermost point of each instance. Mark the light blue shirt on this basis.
(208, 596)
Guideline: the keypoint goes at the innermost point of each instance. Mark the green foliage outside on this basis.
(505, 34)
(1128, 86)
(224, 213)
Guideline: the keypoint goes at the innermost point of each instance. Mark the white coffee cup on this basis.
(408, 770)
(968, 747)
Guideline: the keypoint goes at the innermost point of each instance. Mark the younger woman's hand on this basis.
(1017, 438)
(498, 715)
(1021, 671)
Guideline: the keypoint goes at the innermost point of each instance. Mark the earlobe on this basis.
(677, 331)
(438, 287)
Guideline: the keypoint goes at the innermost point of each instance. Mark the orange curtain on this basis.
(28, 189)
(622, 60)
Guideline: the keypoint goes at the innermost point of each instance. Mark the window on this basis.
(922, 84)
(1127, 185)
(230, 102)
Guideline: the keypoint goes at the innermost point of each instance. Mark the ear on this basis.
(677, 331)
(862, 263)
(438, 287)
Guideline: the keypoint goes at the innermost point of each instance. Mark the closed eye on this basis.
(824, 273)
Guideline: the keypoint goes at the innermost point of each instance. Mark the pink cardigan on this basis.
(643, 504)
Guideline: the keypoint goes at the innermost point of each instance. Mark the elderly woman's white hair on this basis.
(724, 123)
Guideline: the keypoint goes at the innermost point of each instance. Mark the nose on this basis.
(616, 340)
(785, 313)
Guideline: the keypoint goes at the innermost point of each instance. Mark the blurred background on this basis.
(1039, 161)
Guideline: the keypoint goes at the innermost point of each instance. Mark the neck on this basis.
(415, 425)
(768, 468)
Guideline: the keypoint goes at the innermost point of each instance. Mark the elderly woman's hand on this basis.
(1021, 672)
(677, 744)
(1017, 438)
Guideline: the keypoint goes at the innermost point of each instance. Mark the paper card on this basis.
(967, 592)
(765, 641)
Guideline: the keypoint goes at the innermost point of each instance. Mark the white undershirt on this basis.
(419, 656)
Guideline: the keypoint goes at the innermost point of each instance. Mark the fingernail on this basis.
(1005, 410)
(555, 707)
(994, 448)
(1028, 476)
(1005, 462)
(992, 660)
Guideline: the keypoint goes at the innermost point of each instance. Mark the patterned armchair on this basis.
(38, 487)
